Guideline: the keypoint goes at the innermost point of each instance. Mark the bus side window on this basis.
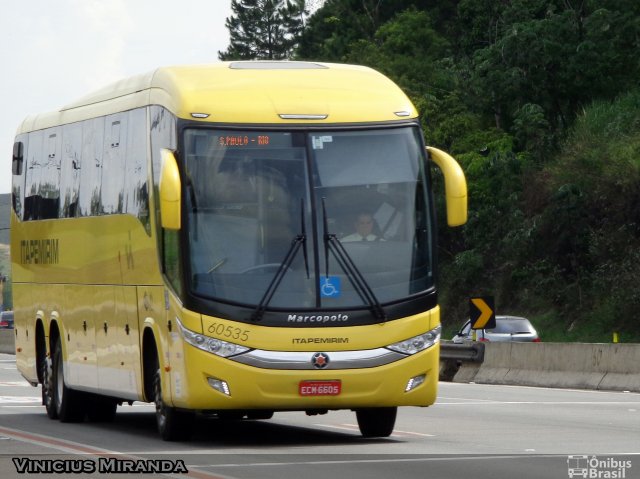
(70, 169)
(42, 191)
(18, 158)
(32, 175)
(115, 142)
(136, 199)
(49, 188)
(91, 171)
(17, 184)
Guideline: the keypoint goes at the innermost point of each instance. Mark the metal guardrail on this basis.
(469, 351)
(452, 355)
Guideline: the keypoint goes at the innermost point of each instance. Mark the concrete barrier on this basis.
(7, 341)
(563, 365)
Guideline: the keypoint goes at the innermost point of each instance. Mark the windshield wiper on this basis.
(300, 241)
(360, 284)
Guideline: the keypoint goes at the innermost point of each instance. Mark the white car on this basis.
(508, 328)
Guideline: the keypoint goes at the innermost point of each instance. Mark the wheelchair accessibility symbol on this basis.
(330, 287)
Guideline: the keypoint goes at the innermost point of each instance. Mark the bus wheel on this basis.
(101, 409)
(173, 425)
(67, 402)
(376, 421)
(47, 387)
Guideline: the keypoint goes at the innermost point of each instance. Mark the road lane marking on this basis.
(15, 383)
(452, 457)
(343, 427)
(411, 433)
(490, 387)
(14, 406)
(462, 399)
(391, 460)
(59, 444)
(355, 428)
(72, 447)
(20, 399)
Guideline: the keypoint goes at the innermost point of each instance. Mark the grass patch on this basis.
(592, 327)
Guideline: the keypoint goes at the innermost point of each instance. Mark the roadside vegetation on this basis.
(539, 100)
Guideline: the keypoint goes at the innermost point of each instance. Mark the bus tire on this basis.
(101, 408)
(376, 421)
(48, 400)
(173, 425)
(67, 402)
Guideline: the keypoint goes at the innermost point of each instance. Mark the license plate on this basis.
(320, 388)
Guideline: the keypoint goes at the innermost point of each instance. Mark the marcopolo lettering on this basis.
(40, 251)
(318, 318)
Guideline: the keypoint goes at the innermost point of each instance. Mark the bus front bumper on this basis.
(210, 382)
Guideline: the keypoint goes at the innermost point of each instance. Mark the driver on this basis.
(364, 229)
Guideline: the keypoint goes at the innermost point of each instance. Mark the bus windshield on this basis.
(251, 194)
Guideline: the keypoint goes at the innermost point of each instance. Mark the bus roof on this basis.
(255, 92)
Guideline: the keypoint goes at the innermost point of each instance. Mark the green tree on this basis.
(396, 45)
(264, 29)
(556, 55)
(336, 27)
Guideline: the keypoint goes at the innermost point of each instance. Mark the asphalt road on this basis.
(475, 431)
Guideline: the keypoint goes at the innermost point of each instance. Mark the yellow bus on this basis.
(232, 239)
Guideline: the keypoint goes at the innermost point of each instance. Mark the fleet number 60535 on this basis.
(230, 332)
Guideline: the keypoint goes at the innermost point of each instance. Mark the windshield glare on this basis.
(250, 194)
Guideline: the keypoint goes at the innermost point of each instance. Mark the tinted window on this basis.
(136, 198)
(511, 326)
(91, 172)
(17, 186)
(115, 147)
(88, 168)
(70, 169)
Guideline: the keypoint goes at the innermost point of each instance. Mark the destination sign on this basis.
(242, 140)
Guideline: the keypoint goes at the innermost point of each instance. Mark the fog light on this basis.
(415, 382)
(219, 385)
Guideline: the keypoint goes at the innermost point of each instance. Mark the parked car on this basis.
(508, 328)
(6, 320)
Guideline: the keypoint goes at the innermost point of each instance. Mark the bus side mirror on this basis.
(455, 186)
(170, 195)
(18, 158)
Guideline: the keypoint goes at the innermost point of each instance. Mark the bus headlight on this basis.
(206, 343)
(417, 343)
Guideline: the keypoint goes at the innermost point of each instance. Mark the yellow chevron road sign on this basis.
(482, 313)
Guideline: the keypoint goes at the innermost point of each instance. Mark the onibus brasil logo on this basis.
(593, 467)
